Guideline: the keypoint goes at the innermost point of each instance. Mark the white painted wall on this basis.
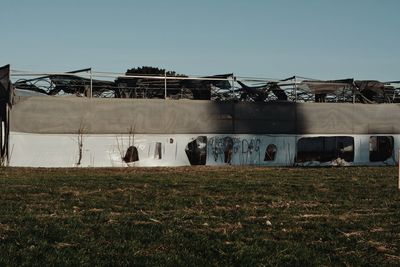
(62, 150)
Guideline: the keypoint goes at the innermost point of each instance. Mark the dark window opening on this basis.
(325, 149)
(131, 155)
(270, 152)
(380, 148)
(196, 151)
(157, 151)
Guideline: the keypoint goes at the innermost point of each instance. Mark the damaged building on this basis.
(96, 119)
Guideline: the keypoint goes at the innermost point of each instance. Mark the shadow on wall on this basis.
(249, 119)
(332, 123)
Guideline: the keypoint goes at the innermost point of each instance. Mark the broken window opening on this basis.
(157, 151)
(131, 155)
(270, 152)
(196, 151)
(325, 149)
(380, 148)
(320, 98)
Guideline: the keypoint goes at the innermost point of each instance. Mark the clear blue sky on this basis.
(312, 38)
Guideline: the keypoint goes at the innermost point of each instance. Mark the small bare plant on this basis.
(126, 153)
(80, 144)
(131, 137)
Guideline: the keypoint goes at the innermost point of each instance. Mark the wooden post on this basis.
(398, 164)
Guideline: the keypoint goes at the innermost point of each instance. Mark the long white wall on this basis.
(107, 150)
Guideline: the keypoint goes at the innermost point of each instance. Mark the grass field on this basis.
(200, 216)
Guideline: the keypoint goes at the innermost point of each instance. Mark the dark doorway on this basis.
(270, 152)
(158, 151)
(196, 151)
(131, 155)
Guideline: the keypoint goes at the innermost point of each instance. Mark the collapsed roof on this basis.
(349, 90)
(126, 87)
(222, 87)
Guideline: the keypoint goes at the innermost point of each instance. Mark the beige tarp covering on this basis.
(323, 87)
(59, 115)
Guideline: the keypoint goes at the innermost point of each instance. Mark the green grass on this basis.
(200, 216)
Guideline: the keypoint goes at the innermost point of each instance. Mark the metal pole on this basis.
(91, 84)
(233, 85)
(165, 84)
(295, 89)
(233, 105)
(7, 122)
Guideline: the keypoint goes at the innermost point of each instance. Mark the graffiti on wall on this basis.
(225, 149)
